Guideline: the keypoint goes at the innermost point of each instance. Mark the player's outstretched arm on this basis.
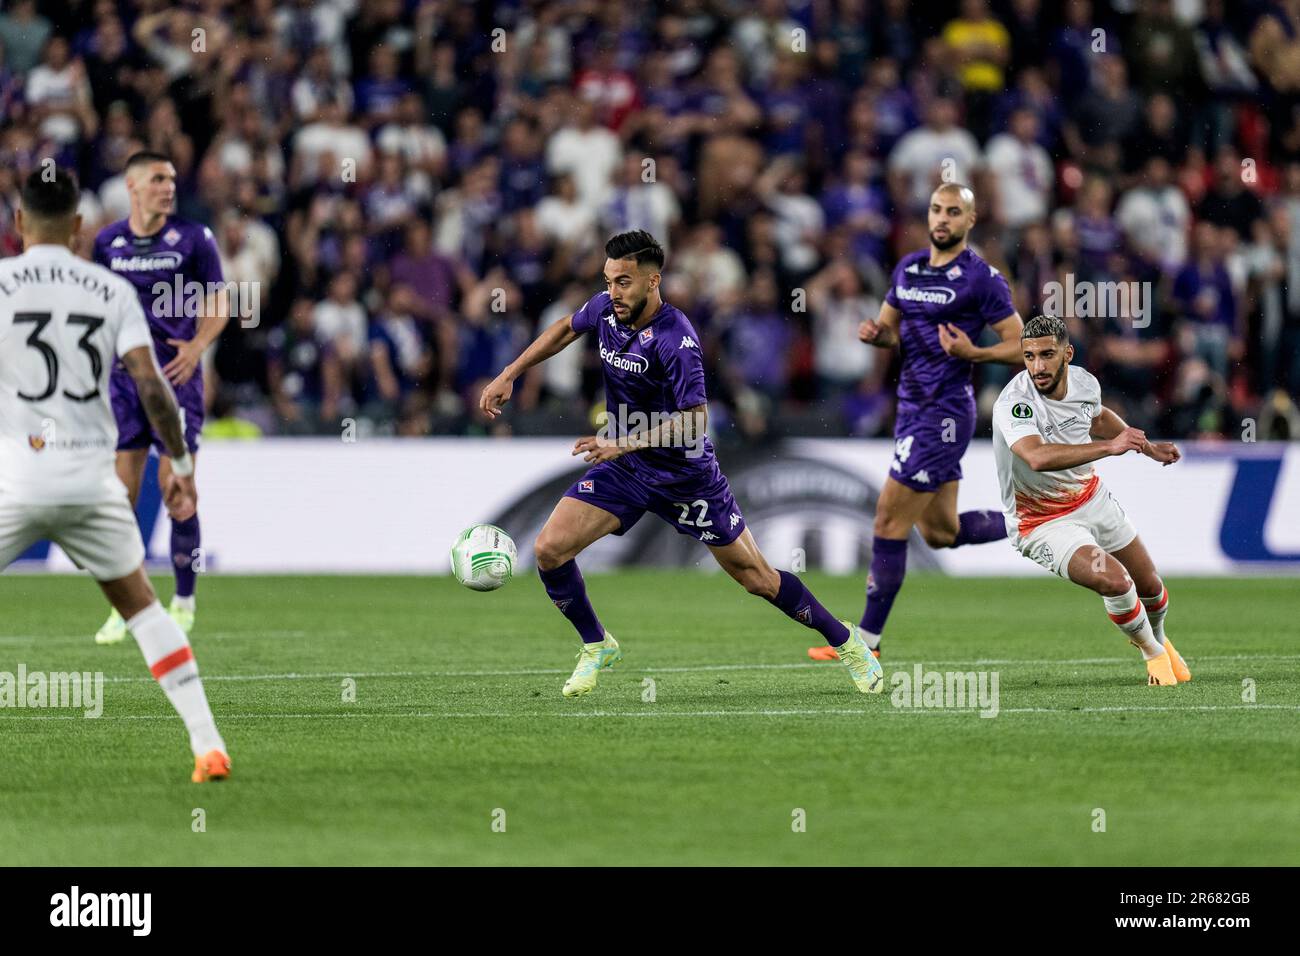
(1108, 425)
(1009, 350)
(882, 331)
(159, 404)
(552, 341)
(1043, 456)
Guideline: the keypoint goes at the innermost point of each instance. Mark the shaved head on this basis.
(963, 194)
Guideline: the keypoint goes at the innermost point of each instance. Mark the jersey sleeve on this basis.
(684, 367)
(585, 319)
(996, 304)
(133, 328)
(1014, 418)
(894, 280)
(207, 261)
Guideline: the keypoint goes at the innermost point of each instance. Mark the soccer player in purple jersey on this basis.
(654, 379)
(163, 257)
(939, 301)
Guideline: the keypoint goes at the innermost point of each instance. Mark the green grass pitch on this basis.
(458, 715)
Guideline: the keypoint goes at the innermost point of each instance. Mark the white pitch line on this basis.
(704, 668)
(613, 714)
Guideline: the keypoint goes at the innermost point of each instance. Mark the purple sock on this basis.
(888, 566)
(565, 587)
(798, 602)
(978, 527)
(185, 541)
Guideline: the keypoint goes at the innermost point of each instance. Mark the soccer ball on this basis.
(483, 557)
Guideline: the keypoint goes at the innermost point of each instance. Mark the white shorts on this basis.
(103, 538)
(1100, 521)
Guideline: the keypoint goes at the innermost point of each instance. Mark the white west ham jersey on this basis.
(1030, 497)
(62, 321)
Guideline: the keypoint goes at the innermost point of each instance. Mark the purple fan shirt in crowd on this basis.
(656, 369)
(180, 250)
(936, 402)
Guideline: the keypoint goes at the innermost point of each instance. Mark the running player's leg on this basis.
(742, 560)
(1154, 596)
(897, 510)
(572, 526)
(105, 540)
(942, 527)
(130, 464)
(185, 551)
(1096, 570)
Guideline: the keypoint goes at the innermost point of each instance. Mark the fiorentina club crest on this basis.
(171, 236)
(647, 335)
(586, 486)
(954, 272)
(805, 615)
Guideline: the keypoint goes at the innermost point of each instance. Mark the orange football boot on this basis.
(1177, 662)
(213, 765)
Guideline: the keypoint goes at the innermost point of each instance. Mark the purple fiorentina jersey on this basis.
(967, 292)
(179, 249)
(655, 369)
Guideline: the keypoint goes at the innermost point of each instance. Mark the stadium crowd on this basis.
(418, 186)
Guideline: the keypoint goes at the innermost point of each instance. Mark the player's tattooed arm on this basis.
(157, 398)
(553, 340)
(685, 428)
(882, 331)
(1108, 426)
(1009, 350)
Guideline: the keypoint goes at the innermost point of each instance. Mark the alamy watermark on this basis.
(56, 689)
(1108, 300)
(237, 300)
(945, 690)
(679, 429)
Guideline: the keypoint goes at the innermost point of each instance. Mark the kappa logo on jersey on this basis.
(913, 270)
(688, 343)
(117, 243)
(647, 335)
(708, 536)
(939, 295)
(735, 519)
(171, 237)
(624, 362)
(1022, 410)
(613, 323)
(922, 476)
(586, 487)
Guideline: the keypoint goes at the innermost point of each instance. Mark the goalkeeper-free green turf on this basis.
(458, 730)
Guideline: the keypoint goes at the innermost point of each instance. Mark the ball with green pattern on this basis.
(483, 557)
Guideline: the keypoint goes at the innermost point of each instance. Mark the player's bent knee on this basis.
(1113, 584)
(938, 537)
(549, 554)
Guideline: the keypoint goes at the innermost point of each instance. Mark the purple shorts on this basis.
(930, 439)
(133, 427)
(701, 506)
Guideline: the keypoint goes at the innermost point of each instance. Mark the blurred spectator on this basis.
(1154, 216)
(23, 32)
(939, 151)
(1020, 171)
(302, 372)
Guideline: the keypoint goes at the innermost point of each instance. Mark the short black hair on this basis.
(1041, 325)
(46, 196)
(145, 156)
(637, 244)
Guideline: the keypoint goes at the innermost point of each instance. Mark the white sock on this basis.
(185, 603)
(1157, 607)
(171, 662)
(873, 640)
(1131, 617)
